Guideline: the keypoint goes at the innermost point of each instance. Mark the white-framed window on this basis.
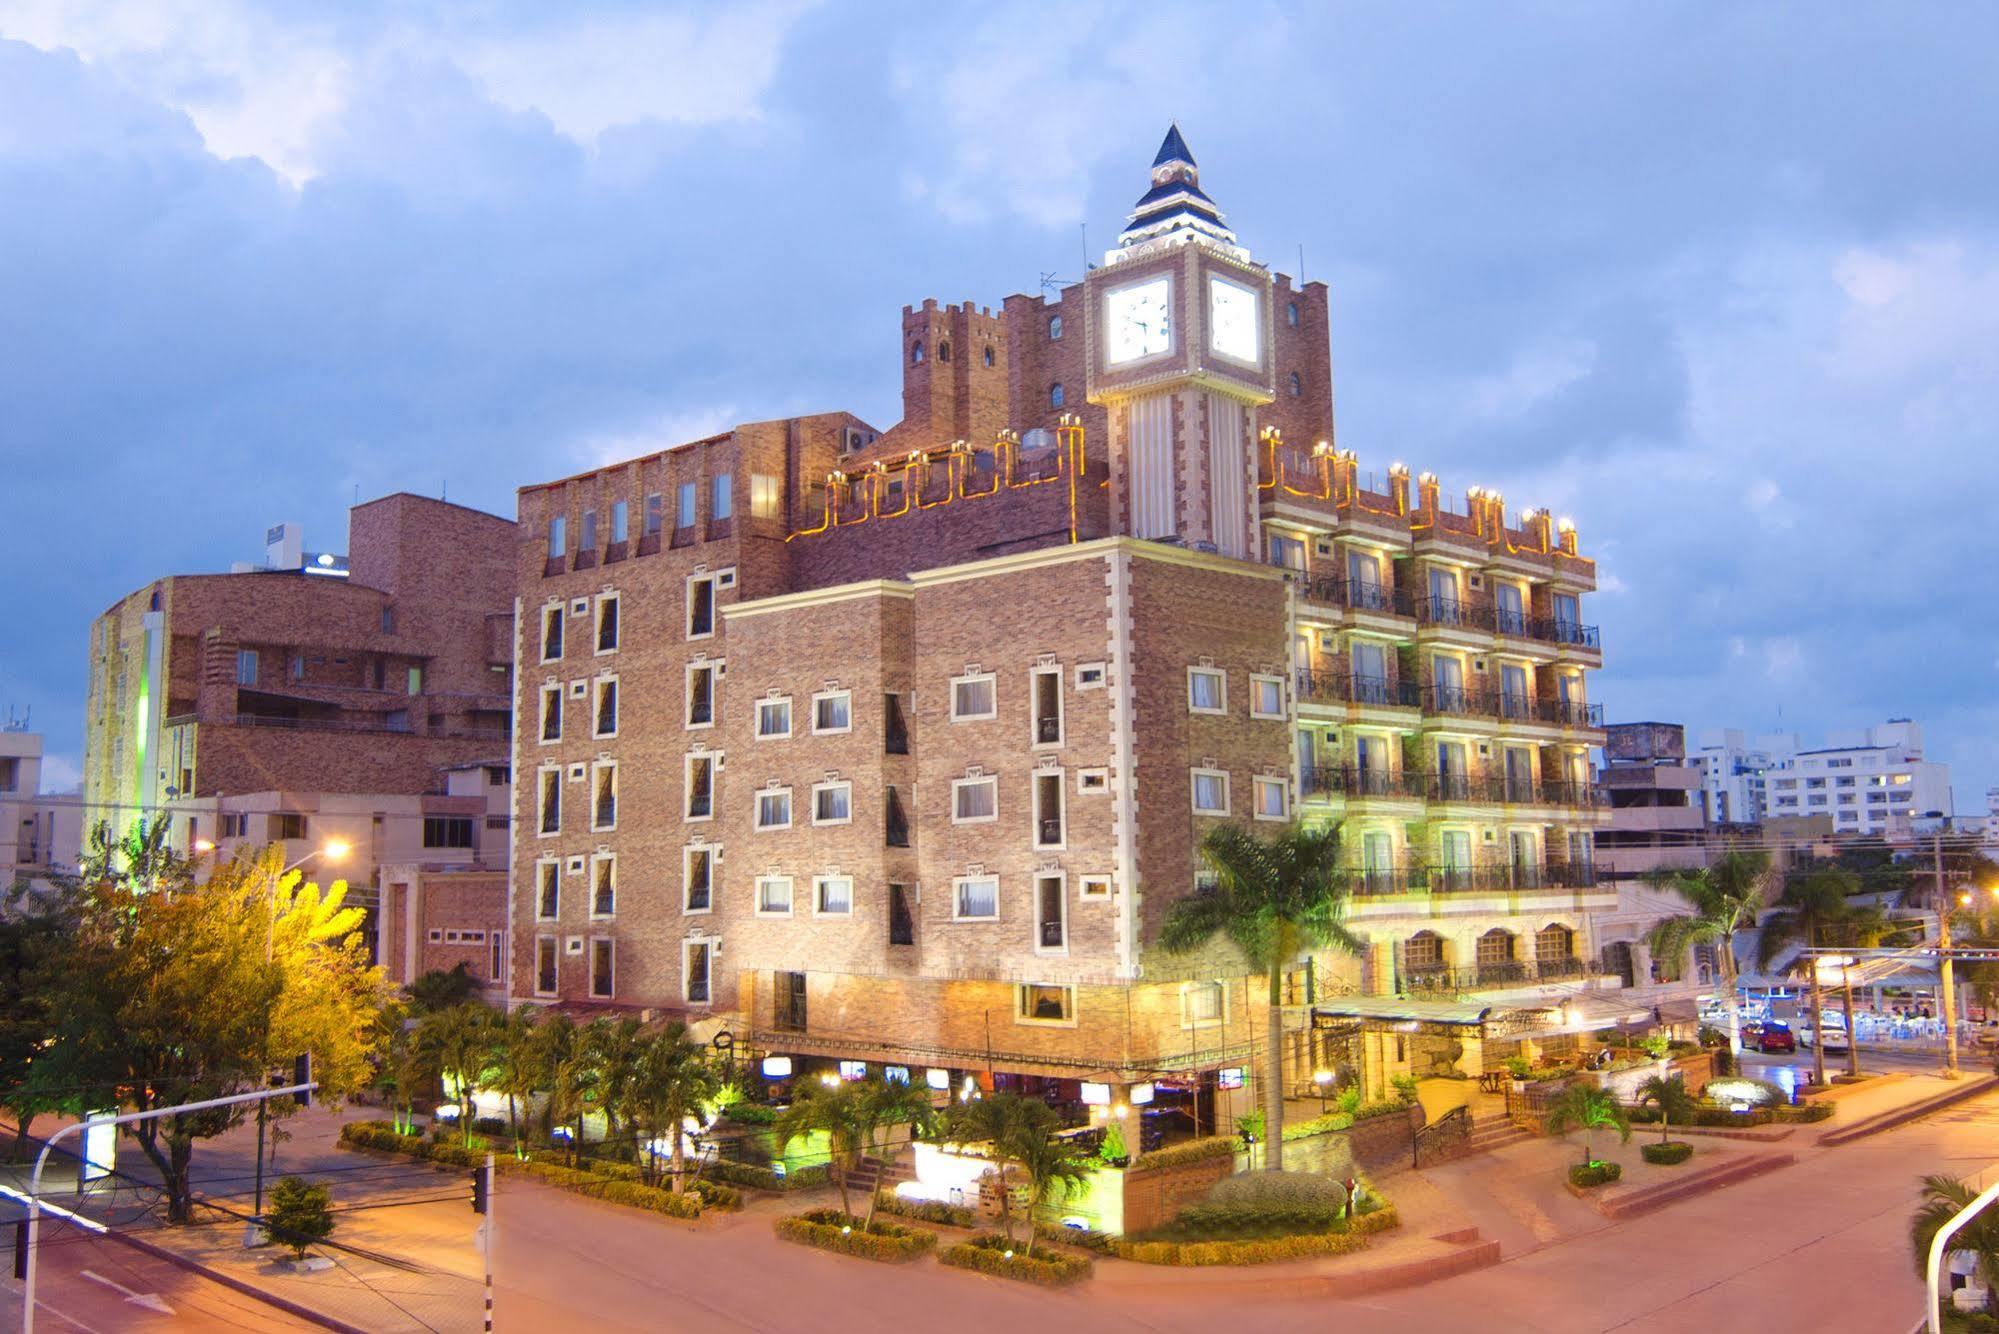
(1207, 690)
(549, 810)
(774, 808)
(605, 714)
(832, 712)
(975, 898)
(974, 800)
(1051, 914)
(973, 697)
(1093, 780)
(551, 633)
(1266, 696)
(1041, 1003)
(1090, 675)
(773, 896)
(774, 718)
(701, 611)
(547, 889)
(1093, 887)
(1044, 698)
(1272, 798)
(699, 786)
(607, 621)
(703, 678)
(1203, 1004)
(1211, 792)
(833, 895)
(544, 965)
(833, 803)
(696, 971)
(551, 713)
(603, 885)
(697, 878)
(1050, 793)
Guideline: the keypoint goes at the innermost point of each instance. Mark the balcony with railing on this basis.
(1459, 701)
(1324, 687)
(1370, 881)
(1363, 595)
(1455, 614)
(1507, 879)
(1437, 979)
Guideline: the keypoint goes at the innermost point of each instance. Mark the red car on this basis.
(1774, 1036)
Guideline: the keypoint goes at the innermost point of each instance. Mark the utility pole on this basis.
(486, 1242)
(1946, 983)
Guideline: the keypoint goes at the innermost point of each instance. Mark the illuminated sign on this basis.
(1097, 1095)
(1230, 1078)
(100, 1146)
(1141, 1094)
(937, 1079)
(777, 1067)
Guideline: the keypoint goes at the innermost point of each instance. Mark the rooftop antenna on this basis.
(1301, 263)
(1084, 229)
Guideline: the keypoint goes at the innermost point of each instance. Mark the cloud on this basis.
(1536, 375)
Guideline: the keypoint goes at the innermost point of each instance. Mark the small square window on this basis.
(774, 808)
(833, 803)
(1093, 780)
(973, 697)
(1211, 792)
(1266, 697)
(975, 898)
(773, 896)
(1207, 690)
(974, 800)
(773, 718)
(833, 711)
(1093, 887)
(1202, 1003)
(1038, 1004)
(833, 896)
(1090, 676)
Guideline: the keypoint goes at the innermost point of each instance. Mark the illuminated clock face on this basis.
(1233, 327)
(1139, 320)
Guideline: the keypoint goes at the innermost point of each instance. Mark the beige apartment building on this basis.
(895, 748)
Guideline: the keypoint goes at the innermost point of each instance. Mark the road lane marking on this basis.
(150, 1300)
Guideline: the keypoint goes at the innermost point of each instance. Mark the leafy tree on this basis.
(616, 1047)
(516, 1071)
(1943, 1198)
(1812, 909)
(456, 1047)
(671, 1081)
(1587, 1108)
(1003, 1121)
(1861, 926)
(400, 1075)
(887, 1104)
(441, 990)
(1726, 898)
(1275, 900)
(1669, 1094)
(840, 1110)
(300, 1213)
(142, 858)
(34, 931)
(1052, 1166)
(564, 1067)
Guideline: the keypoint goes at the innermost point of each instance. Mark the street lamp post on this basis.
(1324, 1079)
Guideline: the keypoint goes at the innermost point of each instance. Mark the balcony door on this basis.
(1447, 675)
(1512, 612)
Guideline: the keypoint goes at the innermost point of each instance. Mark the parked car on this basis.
(1773, 1036)
(1833, 1026)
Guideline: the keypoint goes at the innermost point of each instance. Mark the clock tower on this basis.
(1179, 356)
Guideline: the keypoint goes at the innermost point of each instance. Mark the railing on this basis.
(1455, 612)
(351, 725)
(1321, 687)
(1049, 833)
(1530, 875)
(1565, 793)
(1383, 782)
(1051, 935)
(1453, 1126)
(1048, 730)
(1442, 979)
(1357, 595)
(1459, 701)
(1370, 880)
(1567, 632)
(1567, 713)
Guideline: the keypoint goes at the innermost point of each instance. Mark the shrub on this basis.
(1806, 1112)
(761, 1176)
(1519, 1067)
(601, 1187)
(1192, 1151)
(1251, 1252)
(301, 1213)
(1405, 1087)
(928, 1211)
(1595, 1173)
(1278, 1188)
(489, 1125)
(751, 1114)
(715, 1195)
(990, 1253)
(381, 1135)
(1203, 1222)
(1113, 1150)
(1369, 1110)
(1319, 1125)
(1088, 1239)
(831, 1230)
(1668, 1153)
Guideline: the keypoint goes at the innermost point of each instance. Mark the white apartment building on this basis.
(1867, 780)
(41, 833)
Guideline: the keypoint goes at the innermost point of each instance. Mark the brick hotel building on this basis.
(897, 746)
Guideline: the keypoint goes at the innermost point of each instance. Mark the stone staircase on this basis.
(1494, 1132)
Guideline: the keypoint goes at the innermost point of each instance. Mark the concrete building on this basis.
(41, 833)
(1735, 775)
(317, 695)
(1870, 781)
(1656, 818)
(896, 747)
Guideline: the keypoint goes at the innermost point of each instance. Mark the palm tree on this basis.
(400, 1075)
(1860, 927)
(840, 1110)
(1004, 1121)
(1944, 1197)
(1810, 908)
(458, 1045)
(563, 1065)
(1276, 900)
(1587, 1108)
(888, 1103)
(1053, 1167)
(440, 990)
(1726, 898)
(1669, 1094)
(616, 1046)
(516, 1069)
(671, 1081)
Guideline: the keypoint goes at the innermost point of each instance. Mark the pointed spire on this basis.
(1174, 149)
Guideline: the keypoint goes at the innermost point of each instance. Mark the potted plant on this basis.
(1113, 1150)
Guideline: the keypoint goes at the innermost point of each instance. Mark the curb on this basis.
(1643, 1201)
(228, 1280)
(1901, 1116)
(1467, 1253)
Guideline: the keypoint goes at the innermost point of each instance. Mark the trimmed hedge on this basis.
(1245, 1221)
(1324, 1124)
(751, 1114)
(1192, 1151)
(1665, 1155)
(927, 1211)
(1587, 1176)
(991, 1253)
(1088, 1239)
(1262, 1250)
(831, 1230)
(759, 1176)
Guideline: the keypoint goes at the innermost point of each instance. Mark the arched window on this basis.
(1054, 326)
(943, 351)
(1297, 385)
(1055, 395)
(1554, 947)
(989, 354)
(1291, 314)
(916, 354)
(1423, 953)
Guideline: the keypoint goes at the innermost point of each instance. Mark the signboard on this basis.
(100, 1146)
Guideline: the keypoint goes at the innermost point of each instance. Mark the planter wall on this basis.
(1156, 1196)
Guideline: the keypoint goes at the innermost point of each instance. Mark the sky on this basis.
(1719, 281)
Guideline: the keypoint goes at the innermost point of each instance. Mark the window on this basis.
(1051, 915)
(694, 962)
(901, 921)
(701, 606)
(586, 533)
(1050, 806)
(544, 965)
(1291, 314)
(655, 517)
(1090, 676)
(1202, 1003)
(235, 824)
(975, 898)
(833, 896)
(1296, 385)
(974, 800)
(774, 808)
(1287, 552)
(297, 667)
(548, 890)
(447, 831)
(1038, 1004)
(973, 697)
(1093, 887)
(1044, 693)
(621, 521)
(1093, 780)
(1055, 395)
(943, 350)
(287, 825)
(722, 496)
(916, 354)
(558, 536)
(701, 695)
(684, 503)
(697, 879)
(604, 885)
(773, 896)
(496, 957)
(607, 707)
(246, 667)
(415, 679)
(1266, 696)
(551, 801)
(1271, 799)
(1207, 690)
(607, 622)
(833, 803)
(551, 633)
(701, 787)
(833, 711)
(1211, 792)
(989, 354)
(1054, 327)
(773, 718)
(601, 978)
(766, 495)
(551, 712)
(604, 803)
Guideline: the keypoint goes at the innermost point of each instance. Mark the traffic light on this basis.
(302, 1074)
(479, 1188)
